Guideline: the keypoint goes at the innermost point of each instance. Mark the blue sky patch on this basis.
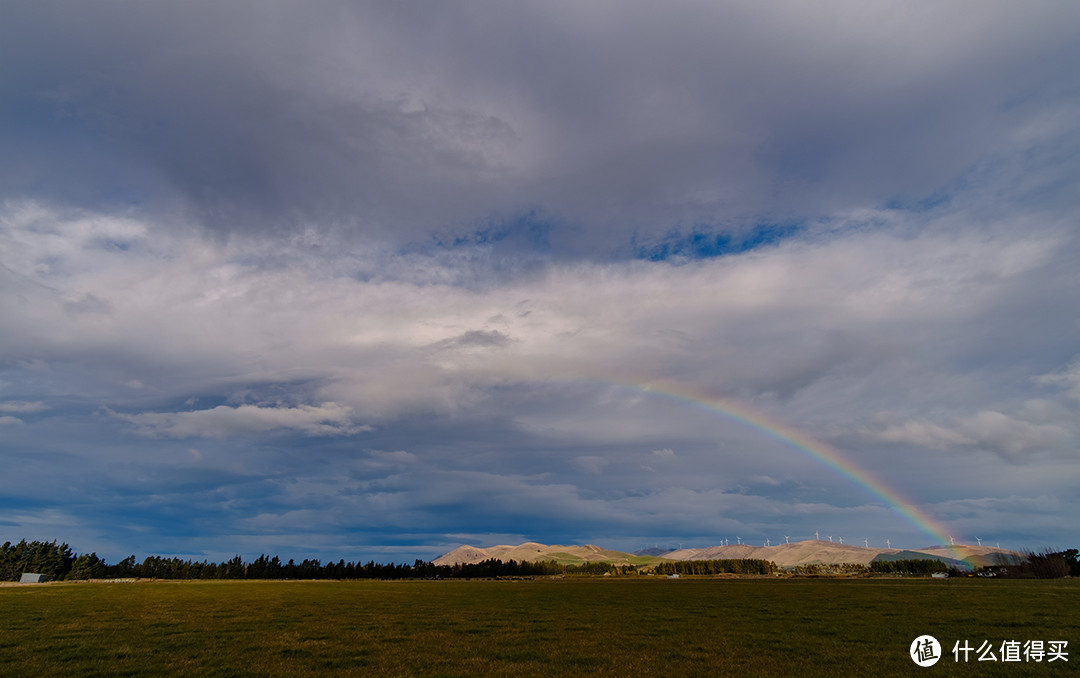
(704, 244)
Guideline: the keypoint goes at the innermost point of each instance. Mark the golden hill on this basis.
(531, 551)
(784, 555)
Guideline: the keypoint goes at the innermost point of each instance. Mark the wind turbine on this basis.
(978, 540)
(817, 536)
(739, 538)
(841, 539)
(888, 544)
(952, 542)
(866, 543)
(787, 540)
(767, 542)
(830, 538)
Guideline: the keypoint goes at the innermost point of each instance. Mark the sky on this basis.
(372, 280)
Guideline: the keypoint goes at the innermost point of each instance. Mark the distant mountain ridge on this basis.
(814, 551)
(532, 551)
(654, 551)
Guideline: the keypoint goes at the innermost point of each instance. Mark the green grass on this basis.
(632, 626)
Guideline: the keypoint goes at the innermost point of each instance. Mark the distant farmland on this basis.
(625, 626)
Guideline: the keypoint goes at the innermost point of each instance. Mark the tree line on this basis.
(915, 566)
(57, 562)
(720, 566)
(1047, 564)
(912, 566)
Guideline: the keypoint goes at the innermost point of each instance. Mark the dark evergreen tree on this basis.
(87, 566)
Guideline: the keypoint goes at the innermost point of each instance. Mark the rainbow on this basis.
(792, 437)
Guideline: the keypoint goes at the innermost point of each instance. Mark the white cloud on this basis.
(224, 421)
(924, 434)
(765, 480)
(1001, 431)
(828, 312)
(379, 459)
(988, 429)
(24, 407)
(10, 421)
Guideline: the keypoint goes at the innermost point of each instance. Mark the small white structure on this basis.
(940, 575)
(31, 578)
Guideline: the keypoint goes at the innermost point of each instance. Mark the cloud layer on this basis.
(369, 280)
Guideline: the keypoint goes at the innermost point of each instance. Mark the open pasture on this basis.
(632, 626)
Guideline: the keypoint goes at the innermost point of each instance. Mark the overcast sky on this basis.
(371, 280)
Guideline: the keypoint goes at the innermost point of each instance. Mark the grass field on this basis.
(633, 626)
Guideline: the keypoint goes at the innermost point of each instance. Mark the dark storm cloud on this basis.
(391, 119)
(249, 114)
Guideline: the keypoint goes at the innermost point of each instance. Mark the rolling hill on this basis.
(532, 551)
(784, 555)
